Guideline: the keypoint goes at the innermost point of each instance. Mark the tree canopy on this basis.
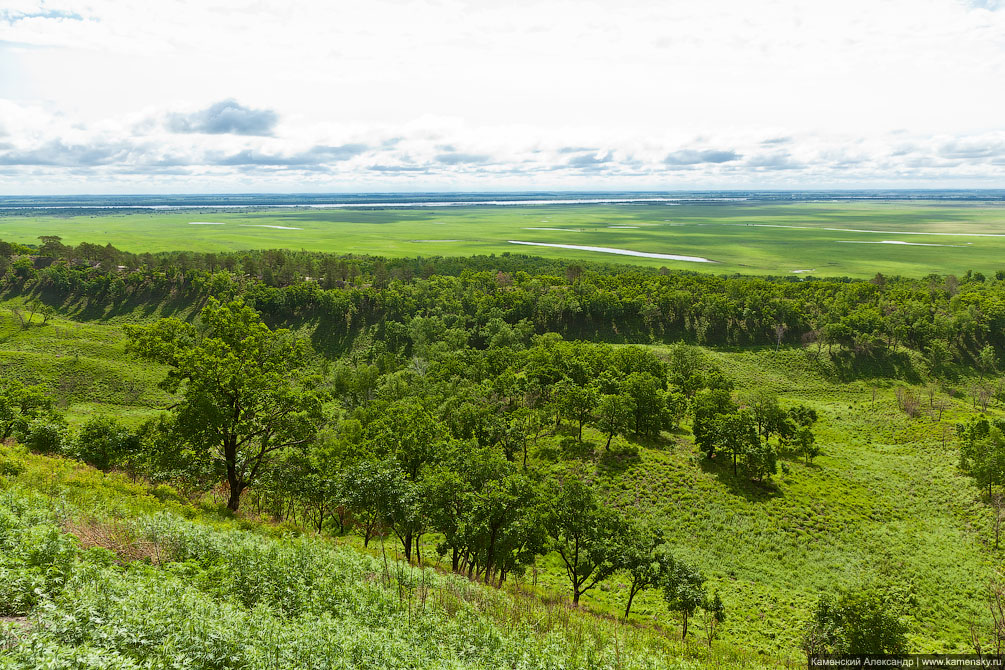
(242, 387)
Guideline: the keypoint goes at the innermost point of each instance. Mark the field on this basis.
(807, 238)
(885, 500)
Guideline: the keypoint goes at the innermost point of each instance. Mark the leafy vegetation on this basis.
(522, 437)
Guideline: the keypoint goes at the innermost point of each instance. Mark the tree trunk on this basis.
(235, 496)
(684, 633)
(407, 542)
(607, 447)
(631, 596)
(233, 481)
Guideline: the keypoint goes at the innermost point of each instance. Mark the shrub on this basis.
(104, 442)
(10, 467)
(859, 621)
(45, 436)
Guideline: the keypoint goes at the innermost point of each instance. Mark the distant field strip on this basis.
(742, 237)
(910, 244)
(859, 230)
(622, 252)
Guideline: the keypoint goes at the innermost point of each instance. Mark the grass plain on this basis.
(807, 238)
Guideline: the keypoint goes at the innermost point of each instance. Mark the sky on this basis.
(202, 96)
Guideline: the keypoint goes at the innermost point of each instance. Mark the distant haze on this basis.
(100, 96)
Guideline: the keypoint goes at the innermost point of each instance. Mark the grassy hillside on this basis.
(83, 365)
(99, 573)
(822, 239)
(884, 502)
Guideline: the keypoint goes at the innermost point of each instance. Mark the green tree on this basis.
(676, 408)
(649, 402)
(736, 435)
(448, 499)
(243, 387)
(645, 558)
(408, 432)
(805, 443)
(576, 402)
(760, 460)
(19, 405)
(46, 435)
(369, 491)
(982, 450)
(715, 614)
(683, 591)
(585, 534)
(504, 526)
(770, 418)
(320, 470)
(707, 406)
(939, 356)
(987, 361)
(686, 364)
(103, 442)
(615, 415)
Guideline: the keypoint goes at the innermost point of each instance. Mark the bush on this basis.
(45, 436)
(859, 621)
(104, 442)
(10, 467)
(167, 493)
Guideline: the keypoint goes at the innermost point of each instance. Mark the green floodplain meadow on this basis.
(854, 239)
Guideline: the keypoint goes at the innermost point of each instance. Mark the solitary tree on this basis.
(982, 451)
(684, 591)
(585, 534)
(646, 559)
(242, 386)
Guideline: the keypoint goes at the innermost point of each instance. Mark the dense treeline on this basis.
(948, 318)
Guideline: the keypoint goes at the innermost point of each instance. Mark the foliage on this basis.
(19, 406)
(103, 442)
(242, 387)
(982, 450)
(585, 534)
(857, 621)
(683, 591)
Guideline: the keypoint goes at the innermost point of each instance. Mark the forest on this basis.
(445, 410)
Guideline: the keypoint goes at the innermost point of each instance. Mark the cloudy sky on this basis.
(120, 96)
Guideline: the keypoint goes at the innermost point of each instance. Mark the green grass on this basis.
(99, 573)
(83, 365)
(726, 234)
(884, 502)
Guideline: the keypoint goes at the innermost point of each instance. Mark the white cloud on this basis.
(458, 94)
